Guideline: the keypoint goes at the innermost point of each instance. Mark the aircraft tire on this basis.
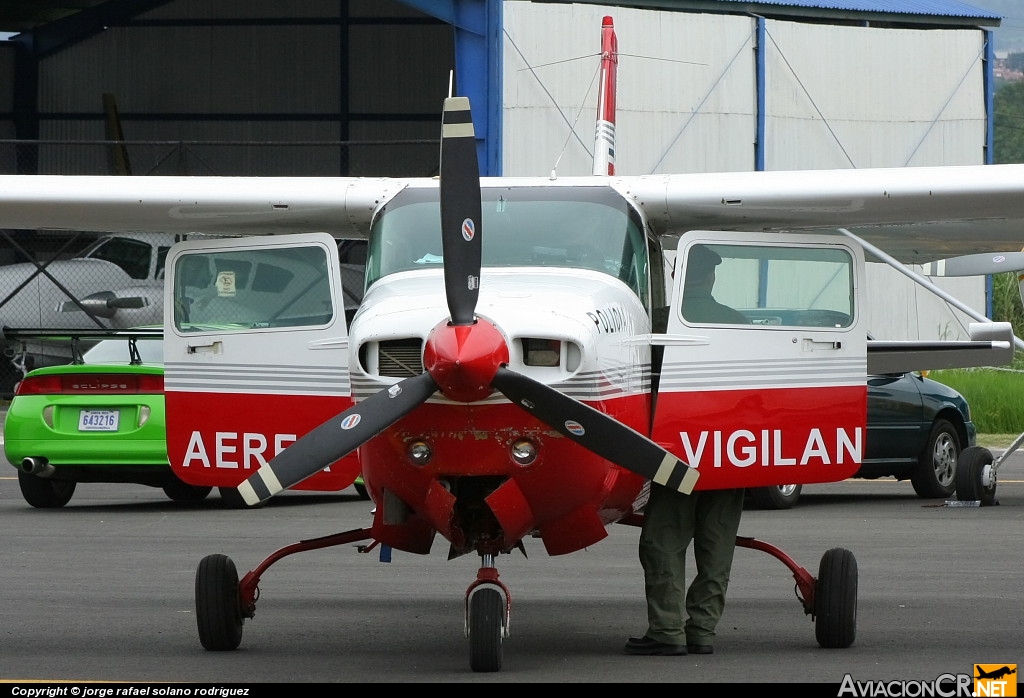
(178, 491)
(218, 606)
(486, 616)
(361, 491)
(935, 474)
(835, 599)
(969, 471)
(44, 493)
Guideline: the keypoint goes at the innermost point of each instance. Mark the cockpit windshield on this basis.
(578, 227)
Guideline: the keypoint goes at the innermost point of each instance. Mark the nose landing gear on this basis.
(488, 608)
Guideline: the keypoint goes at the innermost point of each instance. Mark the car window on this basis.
(115, 351)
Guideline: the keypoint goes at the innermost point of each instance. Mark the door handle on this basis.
(212, 348)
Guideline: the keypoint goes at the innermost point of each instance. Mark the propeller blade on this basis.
(103, 304)
(596, 431)
(336, 437)
(460, 210)
(976, 264)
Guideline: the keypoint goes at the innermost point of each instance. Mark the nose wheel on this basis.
(488, 606)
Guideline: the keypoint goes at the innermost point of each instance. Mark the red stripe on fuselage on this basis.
(756, 438)
(220, 439)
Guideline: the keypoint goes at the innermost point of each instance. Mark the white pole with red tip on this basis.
(604, 134)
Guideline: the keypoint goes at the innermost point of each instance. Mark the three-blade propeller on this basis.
(465, 358)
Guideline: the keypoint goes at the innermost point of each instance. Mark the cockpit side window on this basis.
(134, 256)
(769, 285)
(251, 289)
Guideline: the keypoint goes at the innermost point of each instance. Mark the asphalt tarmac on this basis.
(102, 590)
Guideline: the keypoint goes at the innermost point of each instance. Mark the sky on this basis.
(1010, 34)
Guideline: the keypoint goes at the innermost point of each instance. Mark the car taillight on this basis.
(92, 384)
(39, 385)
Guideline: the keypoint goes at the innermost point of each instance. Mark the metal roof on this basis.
(25, 15)
(942, 8)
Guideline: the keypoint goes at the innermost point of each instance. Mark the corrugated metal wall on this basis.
(854, 97)
(836, 96)
(6, 95)
(685, 90)
(260, 71)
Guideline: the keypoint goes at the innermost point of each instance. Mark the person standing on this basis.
(682, 620)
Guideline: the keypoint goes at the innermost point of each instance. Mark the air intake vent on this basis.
(400, 358)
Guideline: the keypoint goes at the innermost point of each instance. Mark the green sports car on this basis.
(100, 419)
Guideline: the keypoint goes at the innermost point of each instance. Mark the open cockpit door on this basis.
(763, 374)
(256, 354)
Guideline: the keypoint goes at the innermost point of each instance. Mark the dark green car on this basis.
(100, 420)
(916, 430)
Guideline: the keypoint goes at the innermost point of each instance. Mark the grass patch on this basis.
(996, 397)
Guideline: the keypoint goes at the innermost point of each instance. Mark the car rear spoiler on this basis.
(75, 337)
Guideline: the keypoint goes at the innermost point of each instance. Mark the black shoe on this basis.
(646, 646)
(700, 649)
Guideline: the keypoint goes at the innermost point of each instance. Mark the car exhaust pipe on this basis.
(37, 465)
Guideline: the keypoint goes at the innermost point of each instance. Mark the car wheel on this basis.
(44, 493)
(233, 500)
(935, 474)
(972, 481)
(778, 497)
(178, 491)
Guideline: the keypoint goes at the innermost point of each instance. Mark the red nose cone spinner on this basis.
(462, 359)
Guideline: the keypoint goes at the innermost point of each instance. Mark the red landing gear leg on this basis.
(831, 599)
(488, 608)
(222, 602)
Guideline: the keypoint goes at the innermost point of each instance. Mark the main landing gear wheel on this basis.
(835, 599)
(486, 627)
(975, 479)
(218, 607)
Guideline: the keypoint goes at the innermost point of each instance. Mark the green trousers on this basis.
(710, 520)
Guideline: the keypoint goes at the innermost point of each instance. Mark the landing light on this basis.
(419, 452)
(523, 452)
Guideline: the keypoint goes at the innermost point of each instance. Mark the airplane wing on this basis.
(341, 206)
(916, 214)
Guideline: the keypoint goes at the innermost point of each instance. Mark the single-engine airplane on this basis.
(116, 282)
(522, 364)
